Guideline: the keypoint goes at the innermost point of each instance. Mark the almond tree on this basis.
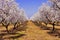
(20, 17)
(23, 18)
(48, 15)
(56, 7)
(4, 9)
(36, 18)
(9, 13)
(44, 13)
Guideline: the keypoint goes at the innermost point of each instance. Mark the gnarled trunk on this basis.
(53, 26)
(6, 25)
(15, 25)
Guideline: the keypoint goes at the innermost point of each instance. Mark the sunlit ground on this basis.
(33, 32)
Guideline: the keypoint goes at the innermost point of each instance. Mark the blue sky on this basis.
(30, 6)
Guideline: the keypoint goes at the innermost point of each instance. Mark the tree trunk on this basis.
(53, 27)
(15, 25)
(6, 26)
(7, 29)
(46, 24)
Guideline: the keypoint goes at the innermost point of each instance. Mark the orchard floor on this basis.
(34, 32)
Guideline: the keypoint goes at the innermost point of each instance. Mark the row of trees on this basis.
(48, 13)
(11, 13)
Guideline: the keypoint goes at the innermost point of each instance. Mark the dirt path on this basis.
(35, 33)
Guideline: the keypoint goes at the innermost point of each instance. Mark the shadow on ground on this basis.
(12, 33)
(55, 33)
